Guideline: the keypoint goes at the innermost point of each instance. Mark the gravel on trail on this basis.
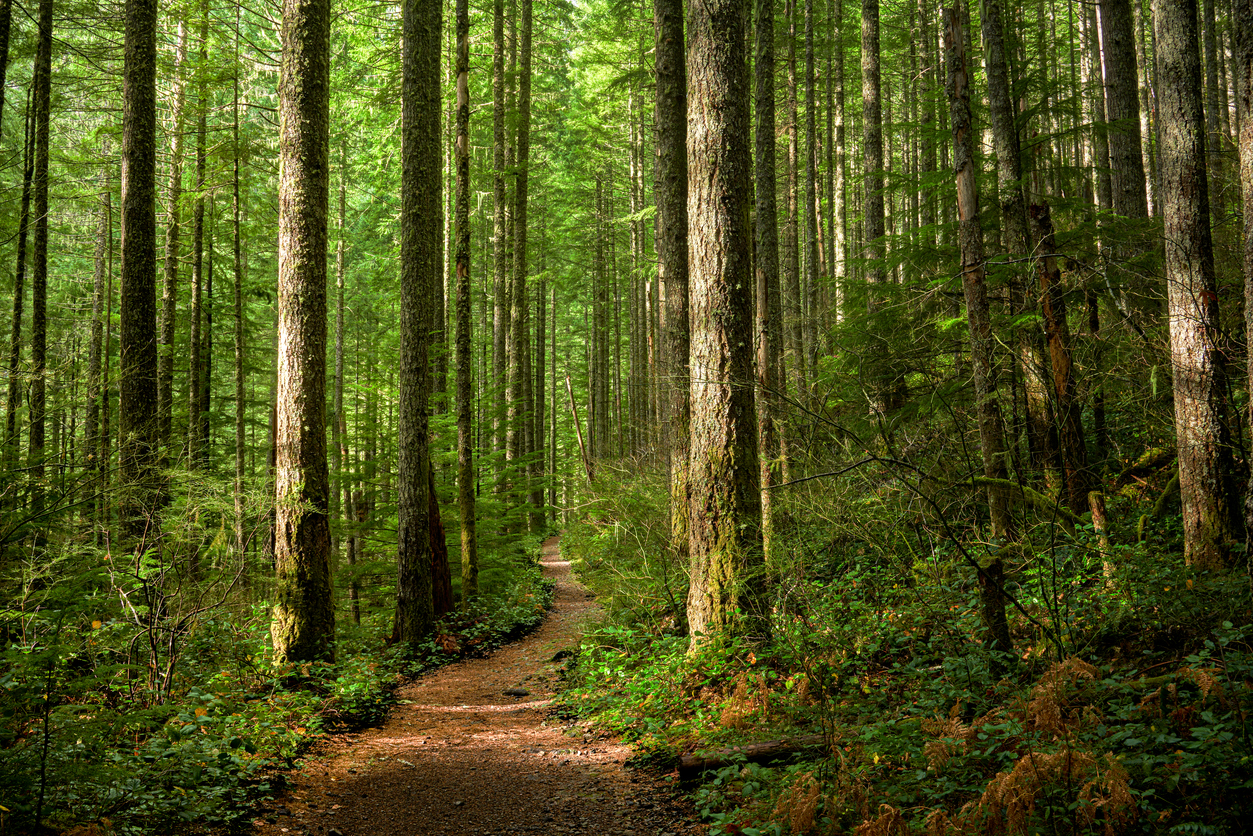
(472, 749)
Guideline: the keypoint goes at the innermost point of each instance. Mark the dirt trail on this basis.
(458, 757)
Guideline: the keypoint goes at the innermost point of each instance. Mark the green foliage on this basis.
(140, 691)
(1124, 707)
(619, 547)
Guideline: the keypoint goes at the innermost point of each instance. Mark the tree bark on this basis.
(12, 435)
(173, 228)
(465, 392)
(500, 264)
(238, 265)
(6, 21)
(1242, 20)
(519, 411)
(1041, 432)
(1069, 409)
(138, 447)
(1206, 485)
(1213, 122)
(791, 261)
(95, 463)
(1147, 117)
(766, 266)
(808, 314)
(974, 286)
(727, 589)
(195, 368)
(886, 393)
(420, 261)
(39, 256)
(840, 164)
(303, 627)
(1122, 108)
(1127, 182)
(670, 189)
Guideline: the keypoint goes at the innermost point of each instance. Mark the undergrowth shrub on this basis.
(619, 548)
(144, 698)
(1123, 708)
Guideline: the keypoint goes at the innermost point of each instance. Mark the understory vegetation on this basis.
(1124, 707)
(140, 696)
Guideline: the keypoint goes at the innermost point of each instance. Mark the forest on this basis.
(885, 369)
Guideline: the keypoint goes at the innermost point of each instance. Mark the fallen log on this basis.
(1153, 460)
(767, 752)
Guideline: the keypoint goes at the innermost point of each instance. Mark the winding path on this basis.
(459, 757)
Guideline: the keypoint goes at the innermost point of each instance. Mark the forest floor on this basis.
(474, 749)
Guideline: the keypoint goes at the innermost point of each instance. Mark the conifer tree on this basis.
(303, 627)
(724, 492)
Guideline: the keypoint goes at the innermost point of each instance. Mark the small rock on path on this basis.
(461, 756)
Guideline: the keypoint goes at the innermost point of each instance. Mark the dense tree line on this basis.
(689, 246)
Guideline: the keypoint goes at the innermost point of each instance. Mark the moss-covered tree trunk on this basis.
(303, 625)
(727, 583)
(420, 268)
(138, 328)
(465, 360)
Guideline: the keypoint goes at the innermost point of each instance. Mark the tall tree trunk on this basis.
(1094, 106)
(237, 262)
(96, 467)
(339, 485)
(39, 255)
(106, 407)
(886, 392)
(809, 329)
(173, 226)
(206, 354)
(840, 241)
(1041, 432)
(12, 436)
(726, 594)
(303, 625)
(1242, 21)
(1122, 110)
(6, 21)
(974, 286)
(766, 265)
(195, 360)
(421, 267)
(465, 403)
(1210, 522)
(1122, 106)
(670, 190)
(519, 414)
(539, 513)
(930, 83)
(1213, 121)
(791, 260)
(1146, 98)
(1057, 331)
(138, 336)
(500, 263)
